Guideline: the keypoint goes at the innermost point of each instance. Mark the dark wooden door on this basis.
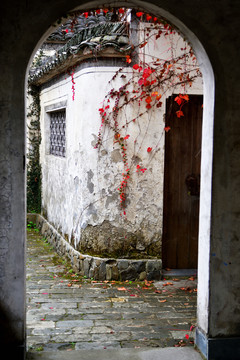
(181, 184)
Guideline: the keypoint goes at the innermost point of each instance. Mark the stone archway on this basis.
(218, 215)
(207, 141)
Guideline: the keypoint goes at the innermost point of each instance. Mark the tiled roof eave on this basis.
(103, 40)
(48, 73)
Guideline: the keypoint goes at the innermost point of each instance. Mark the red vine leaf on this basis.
(139, 13)
(179, 113)
(142, 45)
(148, 99)
(136, 66)
(178, 100)
(167, 129)
(149, 149)
(128, 59)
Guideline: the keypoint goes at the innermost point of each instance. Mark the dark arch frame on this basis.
(28, 22)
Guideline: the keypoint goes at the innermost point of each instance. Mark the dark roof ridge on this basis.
(96, 38)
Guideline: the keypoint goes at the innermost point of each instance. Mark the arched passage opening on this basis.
(204, 227)
(17, 309)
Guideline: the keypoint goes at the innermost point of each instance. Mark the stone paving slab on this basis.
(120, 354)
(67, 313)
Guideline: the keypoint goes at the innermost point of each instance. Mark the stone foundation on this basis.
(96, 267)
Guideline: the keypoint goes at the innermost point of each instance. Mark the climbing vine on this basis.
(33, 161)
(143, 85)
(137, 91)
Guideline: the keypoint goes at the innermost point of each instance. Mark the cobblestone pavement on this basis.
(68, 312)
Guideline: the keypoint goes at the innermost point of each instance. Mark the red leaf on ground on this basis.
(122, 289)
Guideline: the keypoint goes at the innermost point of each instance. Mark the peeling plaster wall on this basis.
(80, 196)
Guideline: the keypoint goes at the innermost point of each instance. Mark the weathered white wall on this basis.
(80, 190)
(80, 195)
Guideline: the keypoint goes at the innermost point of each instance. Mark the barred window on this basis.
(57, 132)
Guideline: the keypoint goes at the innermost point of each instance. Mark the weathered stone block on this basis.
(139, 266)
(115, 273)
(142, 276)
(102, 271)
(123, 264)
(153, 269)
(129, 274)
(108, 272)
(86, 266)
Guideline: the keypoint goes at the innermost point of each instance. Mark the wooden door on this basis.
(182, 184)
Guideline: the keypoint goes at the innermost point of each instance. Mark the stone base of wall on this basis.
(95, 267)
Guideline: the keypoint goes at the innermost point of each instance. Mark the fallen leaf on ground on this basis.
(191, 278)
(176, 279)
(122, 289)
(69, 285)
(157, 291)
(167, 269)
(162, 301)
(168, 283)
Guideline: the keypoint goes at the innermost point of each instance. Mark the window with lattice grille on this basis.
(57, 133)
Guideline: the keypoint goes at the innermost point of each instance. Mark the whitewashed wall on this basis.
(80, 196)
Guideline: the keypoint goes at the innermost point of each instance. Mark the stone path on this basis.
(67, 312)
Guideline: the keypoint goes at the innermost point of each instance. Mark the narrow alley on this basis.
(68, 312)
